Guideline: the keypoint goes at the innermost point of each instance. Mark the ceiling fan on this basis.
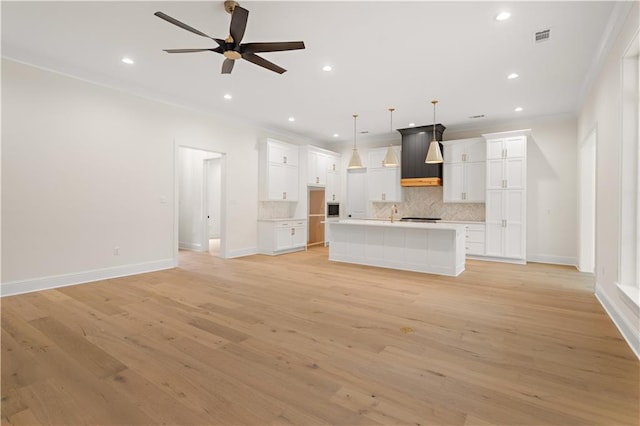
(231, 47)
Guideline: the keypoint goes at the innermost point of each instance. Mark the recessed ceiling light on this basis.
(512, 76)
(412, 124)
(335, 135)
(128, 61)
(228, 96)
(503, 16)
(518, 109)
(327, 68)
(292, 119)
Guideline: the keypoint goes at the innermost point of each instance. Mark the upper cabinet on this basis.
(319, 163)
(317, 167)
(508, 147)
(278, 171)
(464, 171)
(506, 163)
(383, 182)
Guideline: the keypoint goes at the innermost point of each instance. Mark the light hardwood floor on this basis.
(297, 339)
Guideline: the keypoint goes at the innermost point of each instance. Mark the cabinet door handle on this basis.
(284, 159)
(334, 167)
(293, 231)
(464, 157)
(333, 197)
(317, 179)
(284, 195)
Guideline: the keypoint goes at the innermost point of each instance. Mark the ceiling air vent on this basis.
(541, 36)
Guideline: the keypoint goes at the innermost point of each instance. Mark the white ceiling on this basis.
(400, 54)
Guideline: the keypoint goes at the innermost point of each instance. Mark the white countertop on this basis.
(472, 222)
(398, 224)
(281, 219)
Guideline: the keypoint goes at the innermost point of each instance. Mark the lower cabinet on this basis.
(505, 224)
(474, 242)
(278, 236)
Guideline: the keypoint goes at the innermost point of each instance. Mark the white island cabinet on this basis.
(436, 248)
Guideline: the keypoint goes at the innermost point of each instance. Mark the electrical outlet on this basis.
(116, 251)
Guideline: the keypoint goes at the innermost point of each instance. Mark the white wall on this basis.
(86, 168)
(602, 111)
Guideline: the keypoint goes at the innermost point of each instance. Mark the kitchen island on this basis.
(436, 248)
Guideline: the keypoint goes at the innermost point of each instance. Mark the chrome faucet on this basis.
(394, 211)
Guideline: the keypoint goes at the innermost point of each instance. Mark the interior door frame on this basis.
(223, 197)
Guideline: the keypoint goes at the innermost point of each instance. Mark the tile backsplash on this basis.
(275, 209)
(427, 202)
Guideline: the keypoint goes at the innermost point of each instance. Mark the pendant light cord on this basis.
(434, 119)
(391, 119)
(355, 117)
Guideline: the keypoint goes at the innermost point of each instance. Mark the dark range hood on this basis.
(415, 144)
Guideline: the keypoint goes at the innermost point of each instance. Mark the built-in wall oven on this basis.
(333, 209)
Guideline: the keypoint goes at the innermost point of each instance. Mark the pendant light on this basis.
(391, 159)
(355, 162)
(434, 155)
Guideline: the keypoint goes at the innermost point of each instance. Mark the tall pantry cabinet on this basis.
(506, 196)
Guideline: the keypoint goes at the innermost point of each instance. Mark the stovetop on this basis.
(420, 219)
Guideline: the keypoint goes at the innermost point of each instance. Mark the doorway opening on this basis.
(200, 208)
(587, 204)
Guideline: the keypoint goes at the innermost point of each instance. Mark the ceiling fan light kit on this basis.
(231, 47)
(434, 155)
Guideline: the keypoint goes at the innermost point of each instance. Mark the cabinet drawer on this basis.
(290, 224)
(474, 248)
(474, 236)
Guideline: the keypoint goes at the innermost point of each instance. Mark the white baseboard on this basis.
(554, 260)
(626, 329)
(12, 288)
(183, 245)
(241, 252)
(496, 259)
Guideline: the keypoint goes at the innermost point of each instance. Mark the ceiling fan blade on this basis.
(227, 65)
(258, 60)
(184, 26)
(192, 50)
(271, 47)
(238, 23)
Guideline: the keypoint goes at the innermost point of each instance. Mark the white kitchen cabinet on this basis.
(464, 150)
(505, 234)
(317, 168)
(505, 223)
(278, 171)
(278, 236)
(383, 183)
(507, 147)
(508, 173)
(464, 171)
(332, 192)
(474, 238)
(334, 163)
